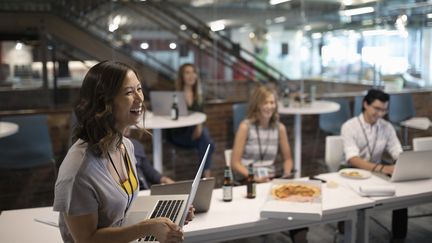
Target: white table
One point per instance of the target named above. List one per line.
(422, 123)
(408, 194)
(157, 123)
(7, 129)
(316, 107)
(224, 221)
(240, 218)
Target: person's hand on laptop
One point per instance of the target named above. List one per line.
(164, 230)
(166, 180)
(387, 169)
(190, 215)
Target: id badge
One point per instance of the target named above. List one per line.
(262, 172)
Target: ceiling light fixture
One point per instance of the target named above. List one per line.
(280, 19)
(144, 46)
(217, 25)
(172, 45)
(274, 2)
(201, 3)
(357, 11)
(18, 46)
(316, 35)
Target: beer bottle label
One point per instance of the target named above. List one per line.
(227, 193)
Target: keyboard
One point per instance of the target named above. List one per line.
(165, 208)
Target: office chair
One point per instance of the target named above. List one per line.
(334, 153)
(332, 122)
(25, 156)
(358, 104)
(401, 108)
(239, 113)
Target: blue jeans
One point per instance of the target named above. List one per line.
(182, 137)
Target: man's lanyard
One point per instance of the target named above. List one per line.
(367, 140)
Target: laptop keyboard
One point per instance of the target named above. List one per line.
(165, 208)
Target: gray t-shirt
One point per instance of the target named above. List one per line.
(85, 186)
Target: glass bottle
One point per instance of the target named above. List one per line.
(250, 183)
(227, 188)
(286, 98)
(174, 108)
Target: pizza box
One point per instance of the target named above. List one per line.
(284, 200)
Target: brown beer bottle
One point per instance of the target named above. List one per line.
(250, 183)
(227, 188)
(174, 108)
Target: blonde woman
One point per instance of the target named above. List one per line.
(259, 138)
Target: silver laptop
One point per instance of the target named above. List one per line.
(174, 207)
(161, 102)
(203, 194)
(413, 165)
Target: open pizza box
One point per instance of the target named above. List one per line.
(293, 200)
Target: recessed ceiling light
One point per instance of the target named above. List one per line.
(280, 19)
(274, 2)
(144, 46)
(356, 11)
(217, 25)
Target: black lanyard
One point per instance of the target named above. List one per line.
(126, 161)
(262, 155)
(367, 140)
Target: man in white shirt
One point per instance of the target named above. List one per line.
(366, 137)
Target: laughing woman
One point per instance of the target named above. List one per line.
(97, 181)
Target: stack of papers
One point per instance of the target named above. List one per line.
(377, 191)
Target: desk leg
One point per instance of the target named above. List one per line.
(363, 226)
(297, 144)
(350, 228)
(157, 150)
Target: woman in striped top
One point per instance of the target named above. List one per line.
(259, 138)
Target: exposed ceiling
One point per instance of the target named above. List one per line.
(318, 15)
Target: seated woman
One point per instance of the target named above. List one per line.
(198, 136)
(97, 181)
(258, 140)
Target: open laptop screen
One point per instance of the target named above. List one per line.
(413, 165)
(194, 187)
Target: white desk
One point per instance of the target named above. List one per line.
(408, 194)
(224, 221)
(157, 123)
(316, 107)
(240, 218)
(7, 129)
